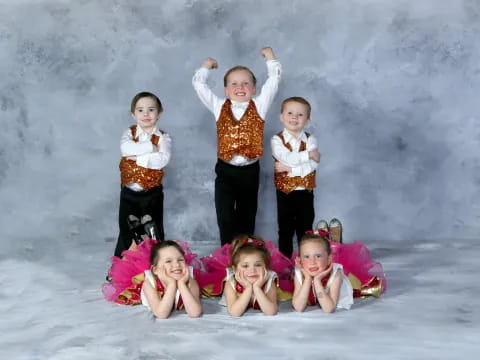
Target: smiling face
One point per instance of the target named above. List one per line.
(294, 117)
(252, 266)
(172, 260)
(240, 86)
(314, 257)
(146, 113)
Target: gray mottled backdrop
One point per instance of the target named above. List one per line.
(393, 85)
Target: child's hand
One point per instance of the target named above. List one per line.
(241, 279)
(318, 277)
(280, 167)
(298, 264)
(210, 63)
(267, 52)
(185, 276)
(134, 158)
(165, 279)
(314, 155)
(261, 280)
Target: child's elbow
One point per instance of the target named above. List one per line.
(329, 309)
(195, 314)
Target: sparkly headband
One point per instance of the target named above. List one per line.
(320, 232)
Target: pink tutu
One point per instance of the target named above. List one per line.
(367, 276)
(127, 273)
(212, 278)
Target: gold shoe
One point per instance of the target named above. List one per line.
(336, 230)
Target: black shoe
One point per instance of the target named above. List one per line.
(150, 227)
(137, 229)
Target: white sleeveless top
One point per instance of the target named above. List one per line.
(151, 279)
(345, 298)
(230, 279)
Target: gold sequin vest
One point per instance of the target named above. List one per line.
(239, 137)
(130, 172)
(286, 183)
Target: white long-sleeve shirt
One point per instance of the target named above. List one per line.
(143, 150)
(262, 101)
(297, 160)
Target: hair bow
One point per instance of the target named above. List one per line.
(320, 232)
(253, 242)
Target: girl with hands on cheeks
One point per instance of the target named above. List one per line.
(318, 280)
(169, 284)
(249, 282)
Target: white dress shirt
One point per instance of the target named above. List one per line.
(262, 101)
(297, 160)
(143, 150)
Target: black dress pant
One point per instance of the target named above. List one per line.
(138, 203)
(295, 214)
(236, 198)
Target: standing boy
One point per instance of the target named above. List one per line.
(296, 158)
(240, 121)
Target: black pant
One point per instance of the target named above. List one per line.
(236, 197)
(295, 214)
(138, 203)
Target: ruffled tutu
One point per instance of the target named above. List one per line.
(365, 274)
(127, 273)
(212, 278)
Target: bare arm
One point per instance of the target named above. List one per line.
(190, 294)
(161, 306)
(328, 300)
(237, 304)
(301, 292)
(266, 301)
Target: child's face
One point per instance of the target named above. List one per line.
(172, 261)
(252, 266)
(314, 257)
(294, 116)
(240, 86)
(146, 113)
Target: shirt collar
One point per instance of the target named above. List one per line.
(289, 137)
(140, 131)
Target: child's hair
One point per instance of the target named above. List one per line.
(155, 252)
(145, 94)
(297, 99)
(237, 68)
(248, 244)
(316, 238)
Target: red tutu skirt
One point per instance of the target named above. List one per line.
(127, 273)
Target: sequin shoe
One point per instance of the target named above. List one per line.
(136, 228)
(336, 231)
(150, 227)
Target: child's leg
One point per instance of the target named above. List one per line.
(153, 206)
(286, 222)
(247, 197)
(128, 206)
(305, 211)
(225, 201)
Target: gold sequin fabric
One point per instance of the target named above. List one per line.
(239, 137)
(130, 172)
(286, 183)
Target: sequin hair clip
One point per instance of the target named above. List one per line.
(253, 242)
(320, 232)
